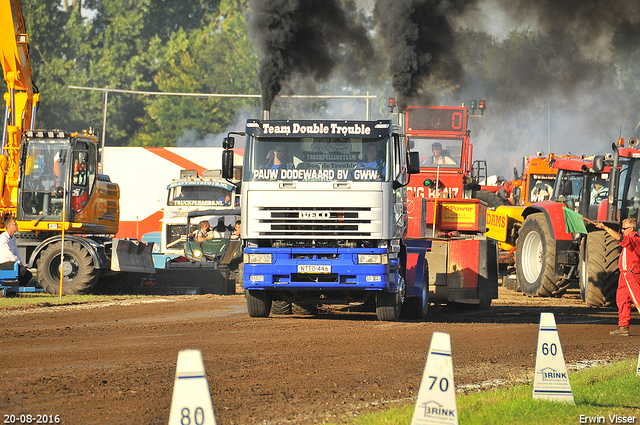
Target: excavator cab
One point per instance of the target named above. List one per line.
(58, 173)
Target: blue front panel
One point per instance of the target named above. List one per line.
(296, 269)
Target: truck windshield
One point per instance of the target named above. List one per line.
(45, 170)
(438, 152)
(317, 159)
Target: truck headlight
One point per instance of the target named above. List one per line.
(373, 259)
(256, 258)
(197, 253)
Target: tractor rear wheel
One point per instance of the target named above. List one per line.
(599, 271)
(79, 274)
(536, 259)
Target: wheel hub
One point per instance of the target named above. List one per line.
(67, 269)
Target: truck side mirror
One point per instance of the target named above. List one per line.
(413, 162)
(227, 164)
(228, 142)
(598, 163)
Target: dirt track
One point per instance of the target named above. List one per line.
(115, 364)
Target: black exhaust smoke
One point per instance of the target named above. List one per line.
(305, 38)
(419, 42)
(309, 38)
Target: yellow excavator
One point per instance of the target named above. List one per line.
(66, 210)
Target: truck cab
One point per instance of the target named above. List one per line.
(324, 207)
(186, 194)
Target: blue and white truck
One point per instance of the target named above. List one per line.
(323, 218)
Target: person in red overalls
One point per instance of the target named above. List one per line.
(629, 264)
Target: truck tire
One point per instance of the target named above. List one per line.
(240, 276)
(388, 305)
(492, 200)
(304, 309)
(258, 303)
(79, 272)
(535, 259)
(415, 308)
(599, 272)
(280, 307)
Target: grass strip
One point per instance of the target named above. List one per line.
(604, 394)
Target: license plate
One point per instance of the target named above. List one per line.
(314, 268)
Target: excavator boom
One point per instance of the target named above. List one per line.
(21, 98)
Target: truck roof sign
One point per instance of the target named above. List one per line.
(442, 120)
(324, 128)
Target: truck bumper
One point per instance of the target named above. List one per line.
(308, 269)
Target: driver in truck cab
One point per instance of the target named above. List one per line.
(371, 160)
(277, 158)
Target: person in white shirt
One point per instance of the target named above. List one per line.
(236, 230)
(9, 251)
(205, 232)
(438, 155)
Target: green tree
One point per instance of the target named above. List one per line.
(216, 58)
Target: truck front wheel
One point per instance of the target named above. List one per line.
(79, 274)
(388, 305)
(258, 303)
(535, 258)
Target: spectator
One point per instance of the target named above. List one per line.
(226, 199)
(9, 251)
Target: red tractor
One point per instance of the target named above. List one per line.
(548, 258)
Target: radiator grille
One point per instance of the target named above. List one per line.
(317, 222)
(176, 236)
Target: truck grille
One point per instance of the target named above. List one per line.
(316, 222)
(176, 236)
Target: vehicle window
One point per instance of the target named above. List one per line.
(317, 159)
(438, 152)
